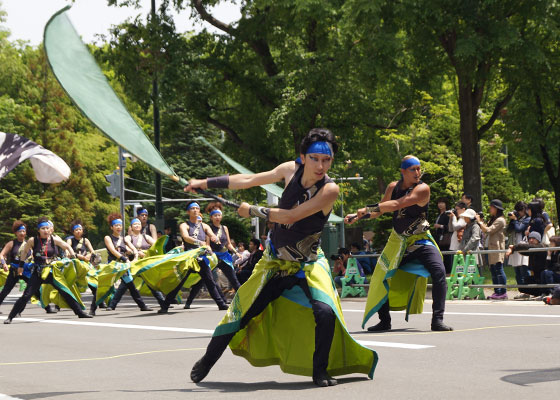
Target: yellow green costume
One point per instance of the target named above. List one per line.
(403, 285)
(284, 333)
(69, 276)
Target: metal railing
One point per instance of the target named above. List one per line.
(468, 252)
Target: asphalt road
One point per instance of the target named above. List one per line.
(498, 350)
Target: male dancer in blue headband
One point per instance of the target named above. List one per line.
(261, 324)
(410, 240)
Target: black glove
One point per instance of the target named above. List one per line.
(21, 264)
(123, 259)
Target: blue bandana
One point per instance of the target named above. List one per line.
(21, 228)
(195, 204)
(320, 148)
(215, 212)
(76, 227)
(116, 221)
(42, 224)
(142, 211)
(134, 221)
(406, 164)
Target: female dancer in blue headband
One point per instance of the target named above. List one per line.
(287, 311)
(117, 250)
(84, 251)
(10, 252)
(196, 233)
(220, 248)
(410, 241)
(44, 246)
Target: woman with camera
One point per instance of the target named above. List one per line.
(494, 230)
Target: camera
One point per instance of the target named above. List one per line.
(480, 214)
(335, 257)
(511, 213)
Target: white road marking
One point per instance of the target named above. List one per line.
(397, 345)
(474, 314)
(195, 330)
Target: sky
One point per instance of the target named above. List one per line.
(26, 19)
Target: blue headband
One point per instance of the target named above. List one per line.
(135, 220)
(320, 148)
(76, 227)
(21, 228)
(42, 225)
(406, 164)
(142, 211)
(116, 221)
(195, 204)
(215, 212)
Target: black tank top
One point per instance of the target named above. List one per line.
(221, 234)
(409, 220)
(120, 247)
(44, 250)
(146, 229)
(82, 249)
(196, 231)
(13, 257)
(300, 240)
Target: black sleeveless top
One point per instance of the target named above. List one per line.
(146, 229)
(409, 220)
(13, 257)
(120, 247)
(300, 240)
(44, 250)
(196, 231)
(221, 234)
(83, 249)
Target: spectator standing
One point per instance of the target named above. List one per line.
(471, 235)
(537, 222)
(537, 260)
(467, 199)
(456, 224)
(247, 268)
(518, 224)
(442, 233)
(494, 229)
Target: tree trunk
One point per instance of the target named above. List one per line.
(470, 150)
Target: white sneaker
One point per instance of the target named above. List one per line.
(522, 296)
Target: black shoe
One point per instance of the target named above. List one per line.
(8, 321)
(163, 310)
(103, 305)
(187, 306)
(323, 380)
(92, 312)
(439, 326)
(223, 306)
(145, 308)
(382, 326)
(199, 371)
(85, 315)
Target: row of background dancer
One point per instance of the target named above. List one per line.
(10, 252)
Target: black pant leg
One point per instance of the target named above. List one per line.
(34, 284)
(118, 295)
(10, 283)
(194, 291)
(171, 295)
(208, 279)
(271, 291)
(324, 329)
(230, 274)
(135, 294)
(430, 257)
(158, 296)
(93, 306)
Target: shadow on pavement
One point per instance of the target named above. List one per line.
(533, 376)
(46, 395)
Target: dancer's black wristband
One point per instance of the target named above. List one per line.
(123, 258)
(218, 182)
(257, 211)
(373, 208)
